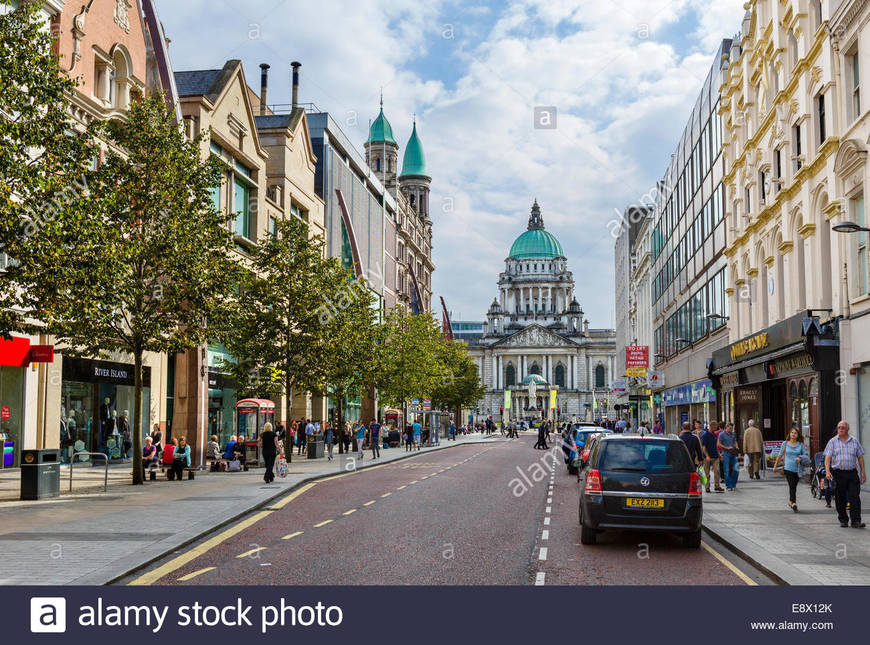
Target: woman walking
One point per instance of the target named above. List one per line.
(360, 431)
(329, 438)
(790, 453)
(269, 450)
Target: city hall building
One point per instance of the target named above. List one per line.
(535, 338)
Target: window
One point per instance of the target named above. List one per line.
(796, 140)
(816, 13)
(717, 300)
(599, 376)
(559, 375)
(510, 375)
(762, 181)
(861, 243)
(820, 115)
(273, 227)
(242, 208)
(777, 169)
(748, 202)
(699, 314)
(854, 85)
(535, 369)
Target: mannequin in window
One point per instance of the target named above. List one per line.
(107, 423)
(124, 430)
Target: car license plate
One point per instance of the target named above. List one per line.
(645, 502)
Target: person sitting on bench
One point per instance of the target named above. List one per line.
(181, 458)
(213, 453)
(169, 453)
(149, 455)
(239, 451)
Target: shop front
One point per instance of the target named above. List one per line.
(96, 407)
(783, 377)
(14, 357)
(222, 394)
(688, 402)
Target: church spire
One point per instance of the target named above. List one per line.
(535, 219)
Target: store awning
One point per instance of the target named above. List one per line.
(785, 351)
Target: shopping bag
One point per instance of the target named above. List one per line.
(282, 466)
(746, 461)
(234, 466)
(702, 475)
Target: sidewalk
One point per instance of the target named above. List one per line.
(804, 548)
(96, 538)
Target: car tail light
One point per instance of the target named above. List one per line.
(593, 482)
(695, 484)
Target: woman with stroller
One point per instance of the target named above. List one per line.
(790, 453)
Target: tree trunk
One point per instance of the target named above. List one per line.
(138, 474)
(288, 407)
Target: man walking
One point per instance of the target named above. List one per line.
(711, 455)
(692, 443)
(843, 456)
(728, 448)
(753, 445)
(375, 434)
(360, 439)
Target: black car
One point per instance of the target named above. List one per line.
(640, 483)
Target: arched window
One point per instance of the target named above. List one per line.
(378, 164)
(599, 376)
(559, 375)
(510, 375)
(535, 369)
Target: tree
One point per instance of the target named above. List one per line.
(276, 331)
(140, 262)
(409, 364)
(460, 387)
(41, 163)
(348, 361)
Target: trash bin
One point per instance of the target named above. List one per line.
(40, 474)
(315, 448)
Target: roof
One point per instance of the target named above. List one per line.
(205, 82)
(275, 121)
(414, 161)
(381, 130)
(536, 243)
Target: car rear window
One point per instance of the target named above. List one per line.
(645, 455)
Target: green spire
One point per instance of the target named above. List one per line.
(381, 130)
(414, 161)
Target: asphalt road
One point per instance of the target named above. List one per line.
(463, 516)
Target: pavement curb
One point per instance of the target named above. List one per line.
(266, 502)
(775, 568)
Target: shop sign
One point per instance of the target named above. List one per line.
(5, 413)
(636, 356)
(42, 353)
(92, 371)
(729, 380)
(635, 372)
(699, 392)
(795, 363)
(655, 379)
(619, 387)
(747, 395)
(772, 448)
(427, 404)
(749, 345)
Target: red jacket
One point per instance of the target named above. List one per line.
(168, 451)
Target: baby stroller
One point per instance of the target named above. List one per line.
(820, 487)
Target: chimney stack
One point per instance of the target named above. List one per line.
(264, 86)
(295, 65)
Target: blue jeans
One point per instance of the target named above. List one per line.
(729, 466)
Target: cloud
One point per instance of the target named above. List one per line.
(622, 82)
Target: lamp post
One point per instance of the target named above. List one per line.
(850, 227)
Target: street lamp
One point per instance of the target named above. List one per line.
(717, 317)
(684, 341)
(850, 227)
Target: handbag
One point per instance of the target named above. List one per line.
(746, 460)
(234, 466)
(702, 475)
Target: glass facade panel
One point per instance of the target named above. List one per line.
(12, 404)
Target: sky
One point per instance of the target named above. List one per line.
(622, 75)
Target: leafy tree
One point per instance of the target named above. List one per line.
(140, 261)
(277, 331)
(348, 360)
(410, 365)
(41, 163)
(460, 387)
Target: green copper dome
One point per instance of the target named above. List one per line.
(536, 242)
(414, 161)
(537, 378)
(381, 129)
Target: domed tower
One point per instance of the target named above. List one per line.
(414, 181)
(494, 319)
(382, 151)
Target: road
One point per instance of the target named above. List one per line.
(471, 515)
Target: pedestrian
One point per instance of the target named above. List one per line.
(300, 436)
(346, 436)
(329, 440)
(790, 453)
(310, 431)
(621, 425)
(269, 450)
(375, 433)
(693, 444)
(657, 428)
(709, 443)
(753, 445)
(293, 433)
(729, 449)
(452, 431)
(157, 438)
(417, 431)
(180, 458)
(843, 456)
(360, 440)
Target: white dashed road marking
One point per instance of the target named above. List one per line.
(539, 578)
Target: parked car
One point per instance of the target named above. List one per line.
(568, 433)
(576, 442)
(637, 483)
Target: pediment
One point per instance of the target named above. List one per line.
(534, 336)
